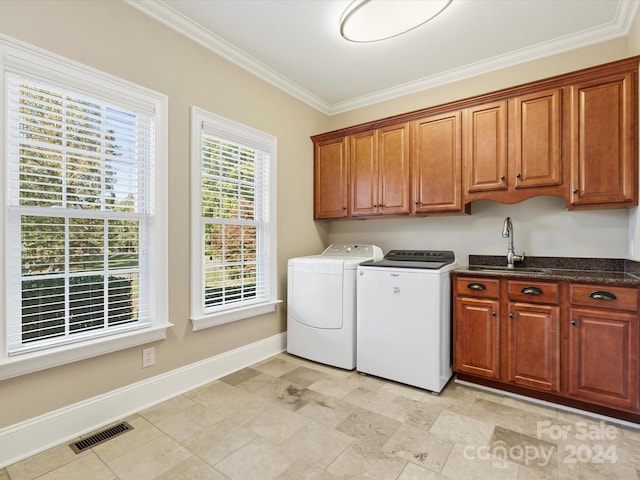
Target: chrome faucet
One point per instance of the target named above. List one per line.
(507, 232)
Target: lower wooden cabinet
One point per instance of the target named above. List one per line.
(603, 357)
(477, 339)
(533, 346)
(565, 340)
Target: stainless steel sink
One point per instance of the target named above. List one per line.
(504, 268)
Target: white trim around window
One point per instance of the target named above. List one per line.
(233, 221)
(31, 191)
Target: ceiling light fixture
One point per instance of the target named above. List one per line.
(373, 20)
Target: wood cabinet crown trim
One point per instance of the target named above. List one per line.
(558, 81)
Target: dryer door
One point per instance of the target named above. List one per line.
(316, 294)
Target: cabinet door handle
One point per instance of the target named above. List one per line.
(532, 291)
(476, 286)
(518, 175)
(575, 190)
(502, 177)
(511, 315)
(574, 323)
(601, 295)
(493, 314)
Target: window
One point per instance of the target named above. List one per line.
(233, 224)
(84, 224)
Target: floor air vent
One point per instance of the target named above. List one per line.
(100, 437)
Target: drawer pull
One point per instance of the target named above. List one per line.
(476, 286)
(532, 291)
(601, 295)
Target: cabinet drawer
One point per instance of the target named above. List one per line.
(605, 296)
(534, 292)
(477, 287)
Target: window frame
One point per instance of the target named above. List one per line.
(232, 131)
(18, 57)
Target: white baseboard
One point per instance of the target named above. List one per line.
(35, 435)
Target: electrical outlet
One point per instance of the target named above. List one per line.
(148, 357)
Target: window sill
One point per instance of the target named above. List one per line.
(214, 319)
(43, 359)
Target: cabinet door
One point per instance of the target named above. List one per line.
(330, 179)
(437, 164)
(393, 165)
(476, 337)
(603, 357)
(485, 153)
(533, 339)
(536, 126)
(603, 139)
(363, 153)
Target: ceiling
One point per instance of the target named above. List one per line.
(296, 45)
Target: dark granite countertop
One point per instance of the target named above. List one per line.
(613, 271)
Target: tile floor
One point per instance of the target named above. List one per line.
(290, 419)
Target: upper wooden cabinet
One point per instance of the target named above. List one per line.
(535, 124)
(513, 148)
(603, 138)
(485, 152)
(330, 178)
(436, 163)
(573, 136)
(379, 162)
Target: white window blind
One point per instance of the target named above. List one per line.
(233, 218)
(80, 210)
(235, 180)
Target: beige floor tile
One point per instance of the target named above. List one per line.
(240, 376)
(218, 441)
(277, 424)
(413, 412)
(367, 382)
(167, 408)
(193, 468)
(376, 401)
(333, 387)
(326, 410)
(588, 468)
(417, 446)
(468, 462)
(228, 401)
(530, 407)
(83, 468)
(368, 427)
(276, 366)
(188, 422)
(499, 414)
(267, 387)
(42, 463)
(257, 460)
(525, 450)
(149, 460)
(303, 471)
(363, 462)
(407, 391)
(461, 429)
(415, 472)
(4, 475)
(143, 432)
(317, 445)
(304, 376)
(454, 397)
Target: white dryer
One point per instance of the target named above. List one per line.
(321, 303)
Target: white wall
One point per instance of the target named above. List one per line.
(542, 226)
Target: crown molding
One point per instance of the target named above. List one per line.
(170, 17)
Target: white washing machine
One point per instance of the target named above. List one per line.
(404, 317)
(321, 303)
